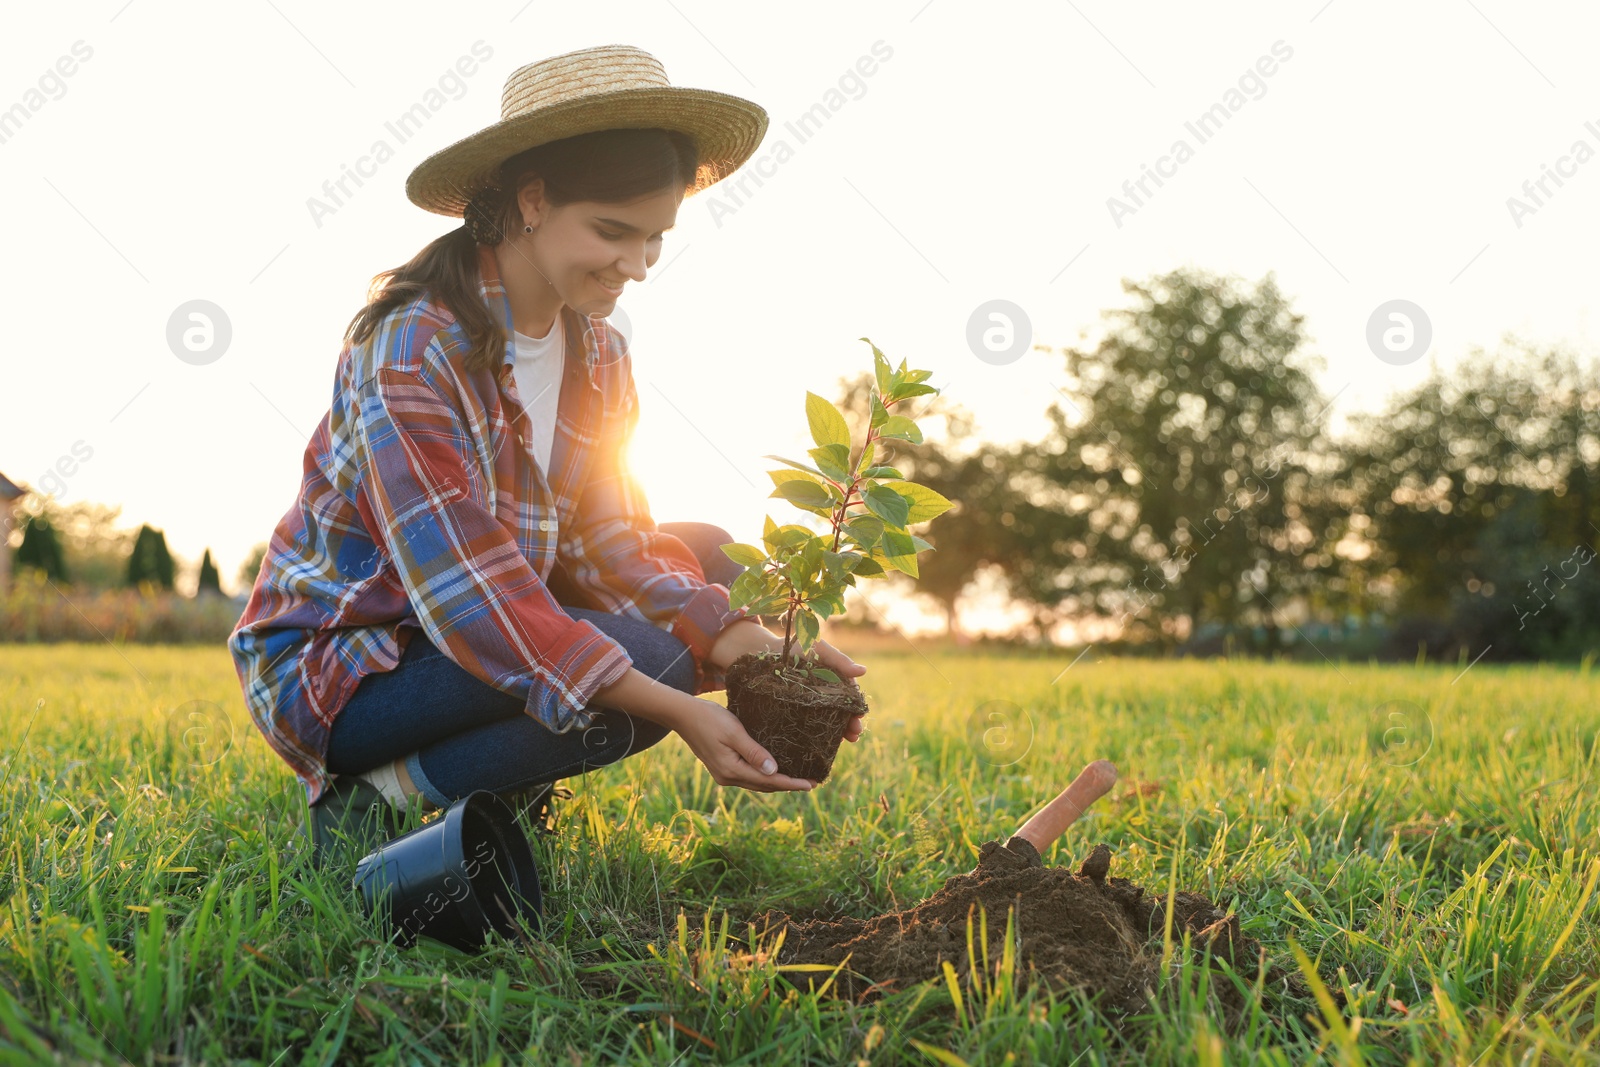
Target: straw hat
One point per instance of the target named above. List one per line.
(605, 88)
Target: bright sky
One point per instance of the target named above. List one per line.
(158, 153)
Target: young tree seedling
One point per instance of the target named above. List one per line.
(868, 510)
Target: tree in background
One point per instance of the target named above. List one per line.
(94, 546)
(40, 548)
(150, 560)
(1481, 487)
(976, 532)
(209, 581)
(1173, 490)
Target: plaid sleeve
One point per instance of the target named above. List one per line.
(477, 596)
(618, 556)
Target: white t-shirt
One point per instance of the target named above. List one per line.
(538, 366)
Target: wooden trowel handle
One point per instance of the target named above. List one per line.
(1042, 830)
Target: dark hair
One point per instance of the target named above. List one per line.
(608, 166)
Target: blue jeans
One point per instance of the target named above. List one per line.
(458, 733)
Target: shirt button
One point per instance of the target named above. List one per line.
(546, 525)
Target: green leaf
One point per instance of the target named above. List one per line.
(880, 369)
(869, 568)
(824, 674)
(925, 503)
(887, 504)
(841, 562)
(790, 536)
(880, 414)
(804, 494)
(864, 530)
(779, 477)
(827, 424)
(866, 455)
(744, 555)
(829, 602)
(901, 427)
(796, 466)
(881, 472)
(900, 551)
(748, 586)
(910, 389)
(755, 584)
(920, 545)
(809, 628)
(834, 460)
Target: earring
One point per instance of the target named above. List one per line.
(527, 228)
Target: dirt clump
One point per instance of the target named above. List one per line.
(801, 722)
(1082, 929)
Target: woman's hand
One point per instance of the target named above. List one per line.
(718, 739)
(713, 733)
(749, 635)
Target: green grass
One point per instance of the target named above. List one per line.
(1440, 872)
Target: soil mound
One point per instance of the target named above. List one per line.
(1082, 929)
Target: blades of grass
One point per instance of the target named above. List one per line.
(954, 986)
(1005, 970)
(938, 1055)
(1349, 1051)
(1172, 896)
(1572, 923)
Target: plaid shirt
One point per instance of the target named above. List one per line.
(422, 508)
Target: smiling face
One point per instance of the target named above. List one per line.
(587, 251)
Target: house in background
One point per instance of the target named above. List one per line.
(10, 493)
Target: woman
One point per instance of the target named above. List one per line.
(469, 592)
